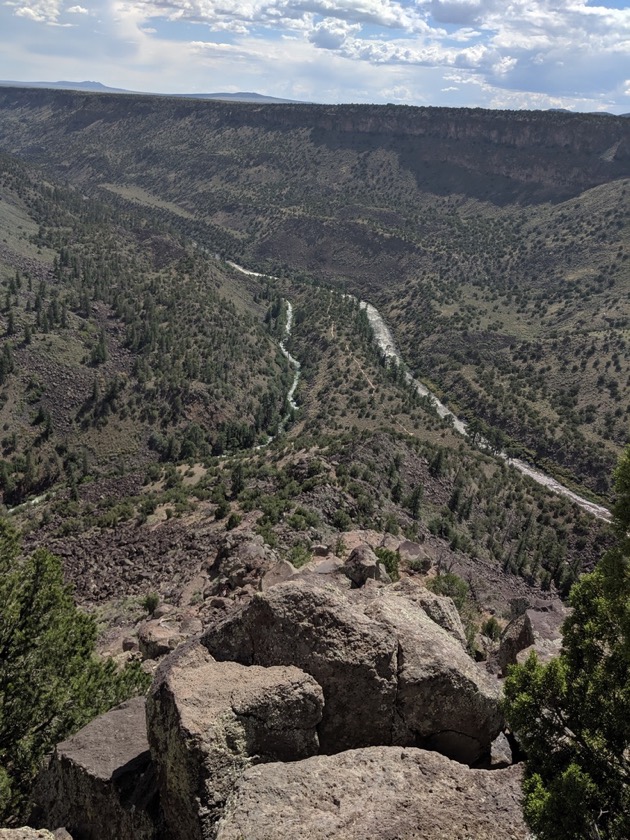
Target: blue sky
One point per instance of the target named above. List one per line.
(488, 53)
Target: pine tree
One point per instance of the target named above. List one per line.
(572, 716)
(51, 683)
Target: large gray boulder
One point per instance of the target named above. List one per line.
(363, 565)
(445, 701)
(100, 783)
(240, 563)
(390, 674)
(160, 635)
(314, 627)
(381, 793)
(538, 629)
(278, 573)
(439, 608)
(208, 721)
(517, 636)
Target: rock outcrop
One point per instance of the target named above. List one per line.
(500, 752)
(415, 556)
(444, 700)
(389, 673)
(99, 783)
(538, 629)
(278, 573)
(208, 721)
(439, 608)
(384, 793)
(363, 565)
(162, 634)
(240, 563)
(314, 627)
(309, 666)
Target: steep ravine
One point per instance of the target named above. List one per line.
(387, 345)
(287, 334)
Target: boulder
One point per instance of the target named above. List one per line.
(100, 783)
(313, 626)
(500, 752)
(538, 629)
(208, 721)
(362, 565)
(439, 608)
(415, 556)
(281, 571)
(241, 561)
(389, 673)
(445, 701)
(162, 610)
(158, 636)
(517, 636)
(28, 834)
(381, 793)
(546, 621)
(329, 565)
(382, 574)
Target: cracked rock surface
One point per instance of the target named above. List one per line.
(99, 783)
(314, 627)
(208, 721)
(381, 793)
(389, 673)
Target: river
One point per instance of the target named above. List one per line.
(292, 360)
(387, 345)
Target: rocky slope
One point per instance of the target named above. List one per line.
(504, 155)
(336, 747)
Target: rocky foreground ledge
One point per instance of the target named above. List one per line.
(321, 708)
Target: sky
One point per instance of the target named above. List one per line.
(474, 53)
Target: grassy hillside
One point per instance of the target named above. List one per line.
(494, 242)
(523, 322)
(119, 344)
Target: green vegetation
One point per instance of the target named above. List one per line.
(450, 584)
(510, 295)
(51, 683)
(390, 560)
(491, 628)
(168, 358)
(150, 602)
(572, 716)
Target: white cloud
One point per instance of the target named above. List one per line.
(331, 34)
(559, 53)
(39, 11)
(463, 12)
(385, 13)
(504, 65)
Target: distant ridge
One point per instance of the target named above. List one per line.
(240, 97)
(97, 87)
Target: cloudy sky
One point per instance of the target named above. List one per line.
(491, 53)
